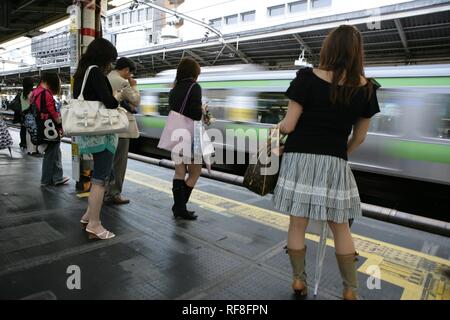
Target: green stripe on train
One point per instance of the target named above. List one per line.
(419, 151)
(241, 130)
(415, 82)
(153, 122)
(385, 82)
(227, 84)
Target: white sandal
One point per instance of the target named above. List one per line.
(93, 235)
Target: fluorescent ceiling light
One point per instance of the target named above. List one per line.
(55, 26)
(14, 42)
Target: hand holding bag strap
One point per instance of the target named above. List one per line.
(86, 75)
(186, 98)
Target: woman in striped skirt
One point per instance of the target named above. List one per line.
(315, 181)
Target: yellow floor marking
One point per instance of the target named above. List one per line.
(406, 268)
(83, 195)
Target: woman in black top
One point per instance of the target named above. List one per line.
(186, 87)
(101, 54)
(315, 181)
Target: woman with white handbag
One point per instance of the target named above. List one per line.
(101, 54)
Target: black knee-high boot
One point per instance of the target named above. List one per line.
(179, 197)
(188, 191)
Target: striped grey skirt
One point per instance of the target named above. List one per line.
(318, 187)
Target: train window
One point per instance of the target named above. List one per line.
(438, 122)
(388, 120)
(217, 101)
(163, 105)
(272, 107)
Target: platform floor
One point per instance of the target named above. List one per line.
(233, 251)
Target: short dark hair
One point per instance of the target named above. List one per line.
(123, 63)
(53, 82)
(187, 69)
(27, 84)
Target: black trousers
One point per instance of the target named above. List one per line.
(23, 136)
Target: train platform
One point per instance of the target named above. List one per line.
(234, 251)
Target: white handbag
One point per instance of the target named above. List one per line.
(87, 118)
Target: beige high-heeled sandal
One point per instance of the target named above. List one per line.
(104, 235)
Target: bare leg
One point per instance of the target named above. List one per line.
(85, 217)
(194, 170)
(343, 240)
(95, 206)
(180, 171)
(296, 233)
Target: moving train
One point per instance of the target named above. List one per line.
(410, 138)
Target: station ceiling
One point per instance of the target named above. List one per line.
(26, 17)
(415, 32)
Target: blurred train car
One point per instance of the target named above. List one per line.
(410, 137)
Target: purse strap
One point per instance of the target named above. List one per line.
(86, 75)
(186, 98)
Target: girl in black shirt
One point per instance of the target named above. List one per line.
(186, 87)
(315, 181)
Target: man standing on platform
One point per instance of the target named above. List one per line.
(127, 93)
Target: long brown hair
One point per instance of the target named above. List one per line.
(187, 69)
(99, 52)
(343, 54)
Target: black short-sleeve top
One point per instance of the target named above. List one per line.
(177, 95)
(324, 128)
